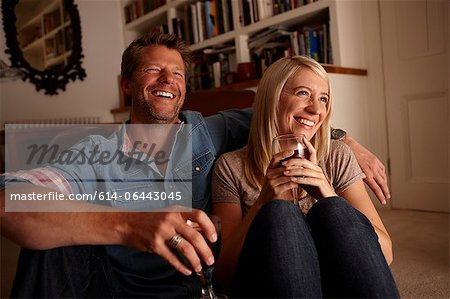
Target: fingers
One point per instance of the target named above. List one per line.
(194, 249)
(279, 157)
(184, 254)
(376, 179)
(312, 151)
(375, 189)
(204, 222)
(306, 173)
(276, 180)
(378, 184)
(175, 261)
(381, 180)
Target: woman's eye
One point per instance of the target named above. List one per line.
(303, 93)
(324, 99)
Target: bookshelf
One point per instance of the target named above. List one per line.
(44, 33)
(294, 17)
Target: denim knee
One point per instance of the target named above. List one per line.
(351, 260)
(278, 213)
(337, 213)
(278, 258)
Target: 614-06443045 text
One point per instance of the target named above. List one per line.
(102, 196)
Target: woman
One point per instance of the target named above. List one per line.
(334, 244)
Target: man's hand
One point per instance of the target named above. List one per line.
(372, 167)
(152, 232)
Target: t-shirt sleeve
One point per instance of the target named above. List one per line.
(343, 167)
(224, 183)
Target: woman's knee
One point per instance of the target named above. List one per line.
(337, 213)
(280, 214)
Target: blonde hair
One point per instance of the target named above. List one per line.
(264, 126)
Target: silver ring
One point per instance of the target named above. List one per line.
(175, 241)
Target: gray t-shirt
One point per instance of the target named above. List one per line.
(230, 186)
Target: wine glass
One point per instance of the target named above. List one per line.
(291, 142)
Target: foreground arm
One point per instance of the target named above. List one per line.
(358, 198)
(372, 167)
(149, 232)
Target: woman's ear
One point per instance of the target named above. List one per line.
(125, 85)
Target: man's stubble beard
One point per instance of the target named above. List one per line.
(150, 115)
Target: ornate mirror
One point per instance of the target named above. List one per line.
(43, 39)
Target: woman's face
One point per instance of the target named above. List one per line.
(303, 103)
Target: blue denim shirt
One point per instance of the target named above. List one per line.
(142, 273)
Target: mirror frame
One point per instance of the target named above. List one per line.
(48, 80)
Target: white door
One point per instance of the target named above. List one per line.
(415, 38)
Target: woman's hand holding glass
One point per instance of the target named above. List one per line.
(308, 174)
(276, 184)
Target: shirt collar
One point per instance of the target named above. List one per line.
(126, 146)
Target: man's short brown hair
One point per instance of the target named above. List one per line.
(131, 57)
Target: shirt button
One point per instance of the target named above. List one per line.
(197, 168)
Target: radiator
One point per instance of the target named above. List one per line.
(24, 123)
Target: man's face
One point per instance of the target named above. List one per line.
(158, 86)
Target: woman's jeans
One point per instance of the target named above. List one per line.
(332, 252)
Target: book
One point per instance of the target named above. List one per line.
(209, 20)
(246, 12)
(217, 74)
(226, 10)
(194, 22)
(219, 17)
(178, 27)
(265, 37)
(214, 17)
(314, 44)
(201, 20)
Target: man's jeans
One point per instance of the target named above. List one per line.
(332, 252)
(87, 272)
(66, 272)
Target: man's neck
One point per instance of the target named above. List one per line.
(155, 140)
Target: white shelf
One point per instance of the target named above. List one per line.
(289, 18)
(238, 37)
(33, 45)
(217, 40)
(43, 8)
(57, 59)
(153, 18)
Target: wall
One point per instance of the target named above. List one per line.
(102, 42)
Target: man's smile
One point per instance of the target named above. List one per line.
(163, 94)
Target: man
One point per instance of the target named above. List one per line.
(66, 256)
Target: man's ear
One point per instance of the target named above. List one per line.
(125, 85)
